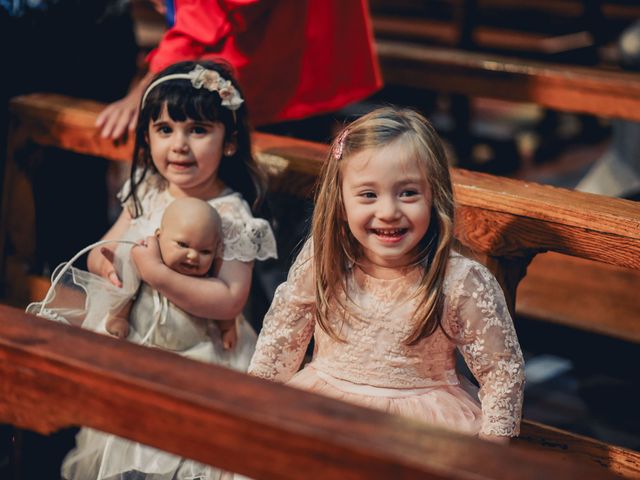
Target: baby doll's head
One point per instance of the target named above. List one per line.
(403, 214)
(204, 91)
(189, 236)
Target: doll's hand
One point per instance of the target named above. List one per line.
(118, 326)
(108, 270)
(229, 338)
(147, 259)
(226, 331)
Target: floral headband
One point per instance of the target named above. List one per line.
(211, 80)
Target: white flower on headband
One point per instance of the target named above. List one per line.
(211, 80)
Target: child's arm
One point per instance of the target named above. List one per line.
(491, 350)
(100, 259)
(221, 298)
(288, 325)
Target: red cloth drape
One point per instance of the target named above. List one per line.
(293, 58)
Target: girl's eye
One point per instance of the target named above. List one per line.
(368, 195)
(182, 245)
(205, 252)
(408, 193)
(198, 130)
(164, 129)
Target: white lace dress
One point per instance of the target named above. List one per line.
(155, 321)
(375, 369)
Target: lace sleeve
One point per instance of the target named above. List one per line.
(491, 350)
(246, 238)
(288, 325)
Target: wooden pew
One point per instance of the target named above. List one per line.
(56, 376)
(547, 28)
(557, 86)
(505, 221)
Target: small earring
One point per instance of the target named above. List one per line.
(229, 150)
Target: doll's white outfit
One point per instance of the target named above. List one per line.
(155, 321)
(375, 368)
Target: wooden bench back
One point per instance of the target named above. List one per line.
(557, 86)
(55, 376)
(507, 221)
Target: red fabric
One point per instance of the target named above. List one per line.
(294, 58)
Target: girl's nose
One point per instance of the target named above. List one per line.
(388, 209)
(192, 254)
(180, 143)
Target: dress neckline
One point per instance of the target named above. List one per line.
(411, 275)
(226, 191)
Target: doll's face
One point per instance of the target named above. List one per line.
(387, 202)
(189, 237)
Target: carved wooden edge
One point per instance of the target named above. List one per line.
(563, 444)
(55, 376)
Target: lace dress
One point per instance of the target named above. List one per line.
(375, 369)
(157, 322)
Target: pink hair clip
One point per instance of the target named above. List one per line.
(339, 148)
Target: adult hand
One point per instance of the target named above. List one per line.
(121, 117)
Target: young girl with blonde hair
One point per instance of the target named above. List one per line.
(386, 298)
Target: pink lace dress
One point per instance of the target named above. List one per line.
(374, 368)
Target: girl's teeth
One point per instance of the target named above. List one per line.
(390, 232)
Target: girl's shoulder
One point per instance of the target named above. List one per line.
(245, 237)
(462, 272)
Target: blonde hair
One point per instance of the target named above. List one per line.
(337, 250)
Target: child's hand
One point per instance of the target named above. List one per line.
(108, 271)
(147, 259)
(495, 438)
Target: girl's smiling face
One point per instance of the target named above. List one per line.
(387, 202)
(187, 154)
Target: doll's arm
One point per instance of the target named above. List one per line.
(100, 259)
(221, 298)
(288, 325)
(491, 350)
